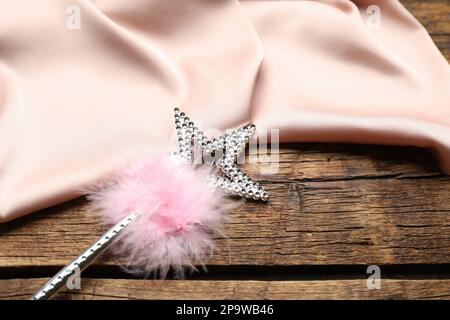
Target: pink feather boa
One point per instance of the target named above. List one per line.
(179, 215)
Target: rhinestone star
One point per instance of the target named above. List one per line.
(230, 145)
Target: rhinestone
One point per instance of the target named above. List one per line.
(229, 145)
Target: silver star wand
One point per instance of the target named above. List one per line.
(232, 179)
(229, 178)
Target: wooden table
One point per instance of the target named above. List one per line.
(334, 210)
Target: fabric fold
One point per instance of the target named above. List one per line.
(78, 102)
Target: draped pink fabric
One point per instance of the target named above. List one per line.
(77, 103)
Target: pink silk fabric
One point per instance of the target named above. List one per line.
(78, 103)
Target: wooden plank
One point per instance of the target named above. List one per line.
(320, 162)
(434, 15)
(212, 290)
(349, 209)
(443, 43)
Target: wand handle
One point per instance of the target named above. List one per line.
(83, 260)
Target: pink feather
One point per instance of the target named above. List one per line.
(179, 215)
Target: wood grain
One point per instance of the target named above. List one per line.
(330, 204)
(443, 43)
(433, 15)
(215, 290)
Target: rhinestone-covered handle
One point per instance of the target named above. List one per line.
(84, 260)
